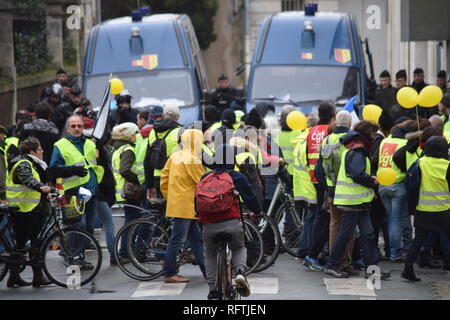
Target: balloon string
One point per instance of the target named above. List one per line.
(417, 115)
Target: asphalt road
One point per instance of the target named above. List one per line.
(286, 280)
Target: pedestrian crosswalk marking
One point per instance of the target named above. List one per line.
(160, 288)
(263, 285)
(350, 286)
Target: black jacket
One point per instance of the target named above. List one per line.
(122, 115)
(107, 188)
(224, 98)
(45, 131)
(159, 126)
(23, 175)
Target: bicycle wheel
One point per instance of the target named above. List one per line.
(71, 257)
(271, 240)
(254, 243)
(221, 273)
(146, 246)
(4, 248)
(287, 219)
(136, 269)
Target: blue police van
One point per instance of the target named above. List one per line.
(156, 56)
(304, 57)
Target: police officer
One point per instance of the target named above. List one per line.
(74, 162)
(124, 112)
(432, 212)
(225, 96)
(25, 187)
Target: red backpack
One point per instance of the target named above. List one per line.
(214, 194)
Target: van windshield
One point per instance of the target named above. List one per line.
(304, 83)
(147, 87)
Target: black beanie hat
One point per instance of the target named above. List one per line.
(446, 100)
(385, 121)
(437, 147)
(228, 118)
(254, 119)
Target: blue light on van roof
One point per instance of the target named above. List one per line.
(136, 16)
(145, 11)
(311, 9)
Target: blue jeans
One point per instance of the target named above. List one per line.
(307, 232)
(183, 229)
(394, 199)
(130, 215)
(349, 221)
(104, 214)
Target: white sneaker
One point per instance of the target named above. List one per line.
(242, 286)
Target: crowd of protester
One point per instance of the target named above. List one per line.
(146, 155)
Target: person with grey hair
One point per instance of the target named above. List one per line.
(313, 119)
(329, 163)
(165, 131)
(344, 119)
(437, 122)
(74, 159)
(172, 112)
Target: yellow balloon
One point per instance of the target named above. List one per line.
(386, 176)
(407, 97)
(296, 120)
(372, 113)
(430, 96)
(116, 86)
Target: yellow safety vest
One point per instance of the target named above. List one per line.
(303, 187)
(412, 157)
(284, 141)
(434, 195)
(140, 150)
(20, 195)
(446, 123)
(115, 162)
(388, 147)
(349, 193)
(171, 143)
(73, 157)
(241, 157)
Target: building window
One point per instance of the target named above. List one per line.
(292, 5)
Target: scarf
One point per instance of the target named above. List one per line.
(38, 161)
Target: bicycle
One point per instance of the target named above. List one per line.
(271, 237)
(61, 249)
(147, 241)
(287, 217)
(224, 278)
